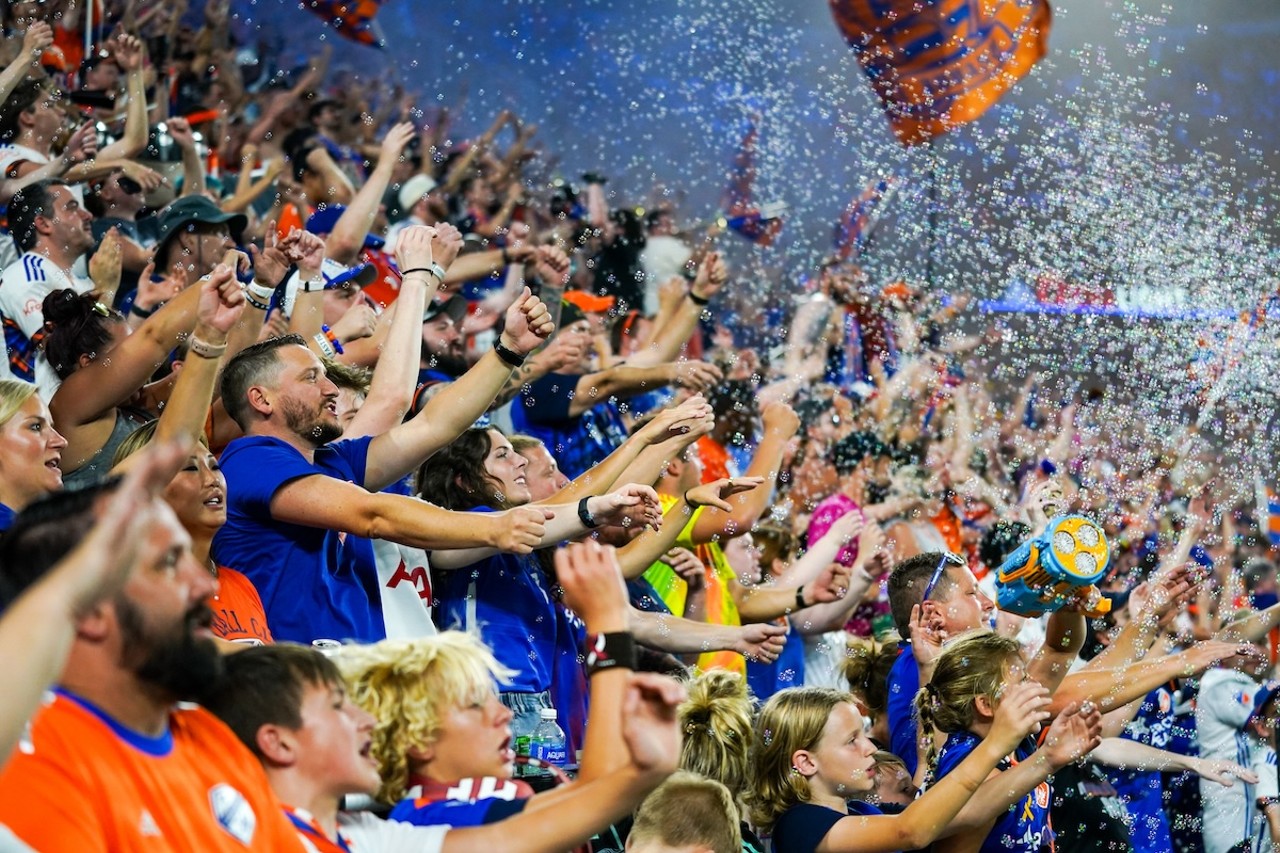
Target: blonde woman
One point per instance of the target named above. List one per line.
(811, 755)
(30, 449)
(716, 723)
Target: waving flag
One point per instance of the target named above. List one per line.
(859, 220)
(937, 64)
(1268, 503)
(351, 18)
(758, 223)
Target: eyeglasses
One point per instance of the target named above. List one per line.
(947, 559)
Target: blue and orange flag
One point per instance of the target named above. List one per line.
(351, 18)
(758, 223)
(860, 218)
(937, 64)
(1268, 503)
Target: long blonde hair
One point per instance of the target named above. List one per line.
(974, 665)
(13, 395)
(716, 722)
(409, 686)
(793, 719)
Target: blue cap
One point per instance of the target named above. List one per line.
(1262, 697)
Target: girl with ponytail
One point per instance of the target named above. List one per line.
(715, 722)
(973, 681)
(811, 756)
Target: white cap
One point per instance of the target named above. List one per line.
(547, 713)
(412, 191)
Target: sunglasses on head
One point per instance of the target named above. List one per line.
(947, 559)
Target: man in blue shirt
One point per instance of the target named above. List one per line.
(292, 495)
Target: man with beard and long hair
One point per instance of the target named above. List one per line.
(113, 761)
(293, 491)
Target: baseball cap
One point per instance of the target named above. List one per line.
(412, 190)
(589, 303)
(1264, 694)
(325, 219)
(455, 306)
(181, 212)
(361, 275)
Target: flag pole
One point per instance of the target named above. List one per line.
(932, 213)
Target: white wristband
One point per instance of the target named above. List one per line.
(261, 292)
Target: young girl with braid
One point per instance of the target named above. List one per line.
(973, 681)
(811, 755)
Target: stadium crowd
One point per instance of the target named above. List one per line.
(334, 451)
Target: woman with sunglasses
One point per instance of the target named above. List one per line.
(104, 367)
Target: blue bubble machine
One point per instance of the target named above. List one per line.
(1060, 565)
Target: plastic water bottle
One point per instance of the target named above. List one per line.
(548, 743)
(521, 739)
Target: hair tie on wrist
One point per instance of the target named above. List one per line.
(585, 516)
(511, 357)
(204, 349)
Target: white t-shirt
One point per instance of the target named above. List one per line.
(1223, 705)
(404, 581)
(23, 286)
(1263, 766)
(367, 833)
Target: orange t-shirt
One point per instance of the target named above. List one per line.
(715, 459)
(237, 610)
(80, 781)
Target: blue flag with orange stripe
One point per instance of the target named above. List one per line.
(351, 18)
(860, 218)
(1268, 503)
(937, 64)
(758, 223)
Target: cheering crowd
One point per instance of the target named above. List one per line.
(335, 450)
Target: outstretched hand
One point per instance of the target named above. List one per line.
(1075, 733)
(717, 492)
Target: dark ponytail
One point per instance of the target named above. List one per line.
(75, 324)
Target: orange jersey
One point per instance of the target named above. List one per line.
(237, 610)
(80, 781)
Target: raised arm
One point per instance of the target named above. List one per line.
(671, 336)
(104, 383)
(347, 238)
(780, 426)
(935, 811)
(1110, 689)
(1071, 736)
(642, 552)
(632, 504)
(398, 451)
(192, 166)
(183, 418)
(130, 55)
(624, 381)
(396, 374)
